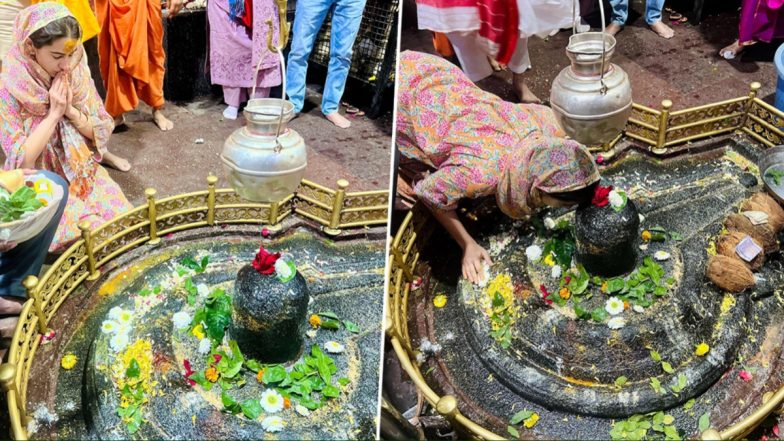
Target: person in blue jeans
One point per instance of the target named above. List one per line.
(653, 16)
(308, 18)
(19, 260)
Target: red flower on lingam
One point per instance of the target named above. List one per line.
(601, 196)
(264, 262)
(545, 295)
(217, 358)
(188, 372)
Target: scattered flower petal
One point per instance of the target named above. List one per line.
(273, 424)
(302, 410)
(533, 252)
(204, 346)
(549, 223)
(119, 342)
(265, 232)
(198, 331)
(701, 349)
(616, 323)
(311, 333)
(439, 301)
(638, 308)
(271, 401)
(549, 260)
(555, 272)
(181, 320)
(661, 256)
(68, 361)
(745, 375)
(531, 421)
(614, 306)
(202, 290)
(334, 347)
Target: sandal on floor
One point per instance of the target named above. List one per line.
(351, 110)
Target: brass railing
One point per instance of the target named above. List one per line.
(660, 130)
(333, 209)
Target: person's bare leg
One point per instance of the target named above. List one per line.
(11, 305)
(338, 119)
(119, 120)
(613, 28)
(161, 121)
(662, 30)
(522, 91)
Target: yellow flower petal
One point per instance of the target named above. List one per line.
(702, 349)
(198, 331)
(68, 361)
(439, 301)
(531, 421)
(549, 261)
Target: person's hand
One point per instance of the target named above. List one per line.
(174, 7)
(474, 256)
(58, 97)
(6, 246)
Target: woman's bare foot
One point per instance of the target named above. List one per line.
(732, 51)
(613, 28)
(161, 121)
(494, 64)
(522, 91)
(662, 30)
(116, 162)
(338, 119)
(119, 123)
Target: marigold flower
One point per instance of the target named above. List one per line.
(286, 402)
(260, 375)
(625, 305)
(646, 235)
(211, 374)
(604, 286)
(314, 321)
(701, 349)
(564, 293)
(68, 361)
(531, 421)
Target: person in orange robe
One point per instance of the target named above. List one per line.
(130, 48)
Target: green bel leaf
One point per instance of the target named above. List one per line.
(620, 381)
(351, 326)
(655, 356)
(667, 367)
(512, 431)
(133, 370)
(251, 408)
(520, 416)
(704, 422)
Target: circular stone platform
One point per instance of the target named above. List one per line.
(344, 278)
(579, 375)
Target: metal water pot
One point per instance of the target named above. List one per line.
(592, 98)
(265, 160)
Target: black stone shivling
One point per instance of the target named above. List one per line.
(269, 316)
(606, 239)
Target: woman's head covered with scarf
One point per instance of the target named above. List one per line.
(548, 166)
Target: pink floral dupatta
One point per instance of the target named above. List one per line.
(68, 152)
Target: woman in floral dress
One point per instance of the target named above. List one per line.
(478, 145)
(53, 118)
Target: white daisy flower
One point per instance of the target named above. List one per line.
(114, 313)
(109, 327)
(616, 323)
(271, 401)
(123, 328)
(661, 255)
(202, 290)
(555, 272)
(533, 252)
(273, 424)
(125, 316)
(302, 410)
(283, 270)
(205, 345)
(119, 342)
(549, 223)
(181, 320)
(334, 347)
(311, 333)
(638, 308)
(614, 306)
(615, 198)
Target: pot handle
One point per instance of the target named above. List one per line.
(603, 89)
(279, 51)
